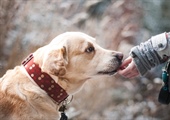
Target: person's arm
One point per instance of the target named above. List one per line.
(151, 53)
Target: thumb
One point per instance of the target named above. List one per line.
(126, 62)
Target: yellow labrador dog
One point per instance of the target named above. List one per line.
(34, 90)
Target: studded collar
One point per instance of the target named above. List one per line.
(44, 81)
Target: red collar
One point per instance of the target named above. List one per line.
(43, 80)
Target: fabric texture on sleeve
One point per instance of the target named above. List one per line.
(151, 53)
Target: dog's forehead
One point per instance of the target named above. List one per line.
(81, 39)
(72, 37)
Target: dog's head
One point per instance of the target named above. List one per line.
(76, 57)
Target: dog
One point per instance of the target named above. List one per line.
(35, 89)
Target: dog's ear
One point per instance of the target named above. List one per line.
(55, 62)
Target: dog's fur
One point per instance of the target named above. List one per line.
(70, 59)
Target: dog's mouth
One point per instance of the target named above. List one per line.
(110, 71)
(114, 67)
(107, 72)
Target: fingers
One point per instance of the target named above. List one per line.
(130, 69)
(126, 63)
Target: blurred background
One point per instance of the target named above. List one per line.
(26, 25)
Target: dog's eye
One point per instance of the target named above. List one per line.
(90, 49)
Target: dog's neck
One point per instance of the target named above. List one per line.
(69, 82)
(44, 81)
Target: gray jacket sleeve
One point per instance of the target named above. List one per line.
(151, 53)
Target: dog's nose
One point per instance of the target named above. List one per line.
(119, 56)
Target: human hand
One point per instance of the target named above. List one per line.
(128, 68)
